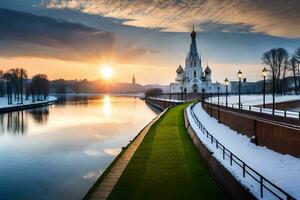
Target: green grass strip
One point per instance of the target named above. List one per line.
(166, 165)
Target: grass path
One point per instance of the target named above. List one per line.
(166, 165)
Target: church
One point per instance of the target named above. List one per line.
(192, 78)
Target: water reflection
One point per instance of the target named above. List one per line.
(107, 106)
(40, 115)
(61, 150)
(14, 123)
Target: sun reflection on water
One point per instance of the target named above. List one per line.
(107, 105)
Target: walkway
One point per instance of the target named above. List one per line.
(165, 166)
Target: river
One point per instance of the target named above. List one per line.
(58, 152)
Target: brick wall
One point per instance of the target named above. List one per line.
(278, 137)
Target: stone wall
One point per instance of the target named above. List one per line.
(285, 105)
(160, 104)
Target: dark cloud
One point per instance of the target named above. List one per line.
(217, 27)
(23, 34)
(273, 17)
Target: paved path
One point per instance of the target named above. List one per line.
(103, 190)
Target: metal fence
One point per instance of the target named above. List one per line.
(179, 96)
(245, 169)
(281, 113)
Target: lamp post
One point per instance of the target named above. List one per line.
(239, 75)
(170, 92)
(273, 91)
(226, 82)
(264, 74)
(211, 102)
(203, 94)
(218, 87)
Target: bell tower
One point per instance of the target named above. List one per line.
(193, 66)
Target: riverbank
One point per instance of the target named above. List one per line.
(27, 104)
(166, 165)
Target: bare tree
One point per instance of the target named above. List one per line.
(282, 61)
(2, 90)
(277, 60)
(21, 76)
(293, 67)
(297, 56)
(8, 76)
(39, 87)
(269, 58)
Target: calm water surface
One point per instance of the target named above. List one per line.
(58, 152)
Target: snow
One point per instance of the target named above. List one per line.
(256, 99)
(252, 100)
(281, 170)
(3, 102)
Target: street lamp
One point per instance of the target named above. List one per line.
(170, 92)
(264, 74)
(218, 87)
(203, 94)
(226, 82)
(239, 75)
(211, 102)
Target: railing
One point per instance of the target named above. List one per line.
(281, 113)
(261, 180)
(191, 96)
(178, 96)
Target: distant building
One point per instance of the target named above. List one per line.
(246, 87)
(133, 80)
(192, 79)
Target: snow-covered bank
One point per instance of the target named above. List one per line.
(139, 95)
(255, 99)
(252, 100)
(4, 104)
(281, 170)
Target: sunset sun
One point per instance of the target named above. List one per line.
(106, 72)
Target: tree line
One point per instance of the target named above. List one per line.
(15, 85)
(281, 64)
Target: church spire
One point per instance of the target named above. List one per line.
(193, 47)
(193, 34)
(133, 79)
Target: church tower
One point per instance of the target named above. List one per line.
(133, 80)
(193, 68)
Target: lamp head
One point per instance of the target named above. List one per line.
(264, 72)
(226, 82)
(239, 74)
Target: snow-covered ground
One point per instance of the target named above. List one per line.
(281, 170)
(140, 95)
(255, 99)
(252, 100)
(4, 104)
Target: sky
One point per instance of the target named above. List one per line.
(74, 39)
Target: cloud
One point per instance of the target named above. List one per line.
(92, 175)
(112, 151)
(276, 18)
(92, 152)
(26, 35)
